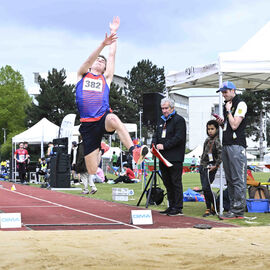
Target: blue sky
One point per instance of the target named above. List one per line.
(38, 36)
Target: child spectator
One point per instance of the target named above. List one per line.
(42, 169)
(210, 161)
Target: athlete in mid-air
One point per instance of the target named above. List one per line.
(92, 97)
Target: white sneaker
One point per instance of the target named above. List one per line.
(93, 191)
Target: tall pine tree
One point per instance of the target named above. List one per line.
(143, 78)
(56, 99)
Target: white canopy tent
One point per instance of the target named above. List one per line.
(248, 68)
(250, 157)
(42, 132)
(197, 152)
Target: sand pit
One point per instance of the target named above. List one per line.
(217, 248)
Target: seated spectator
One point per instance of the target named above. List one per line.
(3, 166)
(99, 176)
(127, 176)
(42, 169)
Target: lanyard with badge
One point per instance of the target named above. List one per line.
(163, 134)
(210, 155)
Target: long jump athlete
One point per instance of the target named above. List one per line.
(92, 97)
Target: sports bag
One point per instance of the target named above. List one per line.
(259, 192)
(156, 196)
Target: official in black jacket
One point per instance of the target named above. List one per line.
(170, 140)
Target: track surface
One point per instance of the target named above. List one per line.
(43, 209)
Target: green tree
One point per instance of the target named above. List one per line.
(13, 103)
(120, 104)
(258, 103)
(143, 78)
(55, 101)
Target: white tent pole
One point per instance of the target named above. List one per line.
(11, 167)
(121, 160)
(14, 167)
(140, 126)
(220, 136)
(42, 143)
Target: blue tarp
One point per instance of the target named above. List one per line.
(192, 196)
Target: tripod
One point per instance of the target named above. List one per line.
(152, 180)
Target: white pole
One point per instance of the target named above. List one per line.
(121, 160)
(140, 125)
(220, 136)
(14, 167)
(42, 143)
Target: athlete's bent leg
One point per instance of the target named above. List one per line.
(112, 123)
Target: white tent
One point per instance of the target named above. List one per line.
(250, 157)
(43, 131)
(266, 158)
(197, 152)
(248, 68)
(109, 153)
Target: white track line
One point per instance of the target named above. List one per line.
(29, 206)
(74, 209)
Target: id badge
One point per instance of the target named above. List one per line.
(225, 126)
(210, 157)
(163, 135)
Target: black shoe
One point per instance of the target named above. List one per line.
(207, 213)
(175, 212)
(231, 215)
(165, 212)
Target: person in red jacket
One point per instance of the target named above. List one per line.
(127, 177)
(21, 156)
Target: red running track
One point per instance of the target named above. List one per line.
(43, 209)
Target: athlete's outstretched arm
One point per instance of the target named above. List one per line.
(114, 25)
(91, 59)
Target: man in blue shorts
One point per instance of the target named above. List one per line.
(92, 98)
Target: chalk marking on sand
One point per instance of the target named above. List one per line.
(74, 209)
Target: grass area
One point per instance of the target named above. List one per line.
(195, 209)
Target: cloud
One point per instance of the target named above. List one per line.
(36, 37)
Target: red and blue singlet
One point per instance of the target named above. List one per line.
(92, 97)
